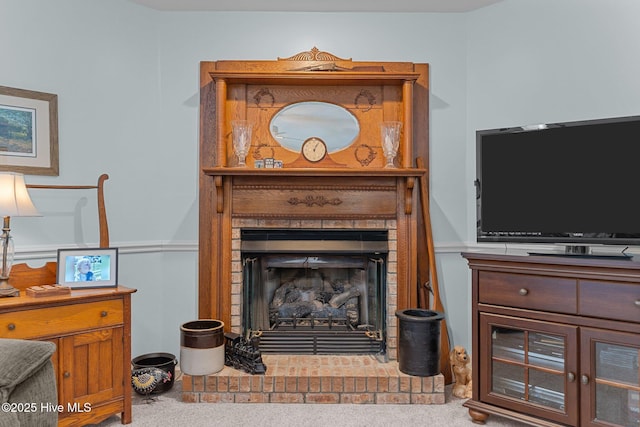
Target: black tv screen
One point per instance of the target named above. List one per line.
(576, 183)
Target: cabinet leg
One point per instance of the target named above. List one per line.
(125, 417)
(478, 417)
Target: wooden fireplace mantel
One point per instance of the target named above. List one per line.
(314, 77)
(335, 172)
(354, 186)
(409, 176)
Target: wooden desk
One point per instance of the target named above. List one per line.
(92, 331)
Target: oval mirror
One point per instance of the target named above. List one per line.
(295, 123)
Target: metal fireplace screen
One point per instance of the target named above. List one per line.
(315, 291)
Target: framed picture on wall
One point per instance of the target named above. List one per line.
(88, 268)
(28, 132)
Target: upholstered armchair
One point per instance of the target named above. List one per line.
(27, 384)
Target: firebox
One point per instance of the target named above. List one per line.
(315, 291)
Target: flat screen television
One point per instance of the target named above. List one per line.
(572, 183)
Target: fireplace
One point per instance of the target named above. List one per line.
(348, 191)
(315, 291)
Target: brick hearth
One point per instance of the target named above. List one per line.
(316, 379)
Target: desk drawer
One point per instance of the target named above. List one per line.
(59, 320)
(524, 291)
(620, 301)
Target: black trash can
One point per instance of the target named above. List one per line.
(419, 341)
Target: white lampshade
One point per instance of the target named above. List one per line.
(14, 197)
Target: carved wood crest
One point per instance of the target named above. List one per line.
(314, 54)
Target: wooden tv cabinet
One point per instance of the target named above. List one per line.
(556, 340)
(92, 332)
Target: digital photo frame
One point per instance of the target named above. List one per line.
(88, 268)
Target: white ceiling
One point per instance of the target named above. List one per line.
(318, 5)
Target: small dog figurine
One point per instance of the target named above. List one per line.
(461, 369)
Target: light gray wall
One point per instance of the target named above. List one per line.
(127, 80)
(437, 39)
(544, 61)
(101, 59)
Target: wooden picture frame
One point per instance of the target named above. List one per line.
(28, 132)
(102, 271)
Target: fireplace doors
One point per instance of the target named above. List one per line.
(315, 291)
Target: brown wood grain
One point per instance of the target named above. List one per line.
(353, 187)
(91, 329)
(526, 291)
(22, 275)
(445, 343)
(36, 322)
(614, 300)
(584, 302)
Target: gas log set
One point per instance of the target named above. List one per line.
(311, 295)
(315, 302)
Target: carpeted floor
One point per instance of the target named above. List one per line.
(169, 410)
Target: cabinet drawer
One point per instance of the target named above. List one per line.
(525, 291)
(620, 301)
(59, 320)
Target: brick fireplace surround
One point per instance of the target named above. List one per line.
(317, 378)
(348, 189)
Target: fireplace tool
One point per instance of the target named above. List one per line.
(445, 345)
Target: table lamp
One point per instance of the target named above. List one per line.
(14, 201)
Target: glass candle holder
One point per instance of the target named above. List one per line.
(241, 136)
(390, 139)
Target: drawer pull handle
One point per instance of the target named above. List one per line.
(637, 303)
(523, 291)
(103, 314)
(571, 377)
(584, 379)
(11, 326)
(67, 374)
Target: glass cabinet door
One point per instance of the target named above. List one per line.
(610, 378)
(530, 369)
